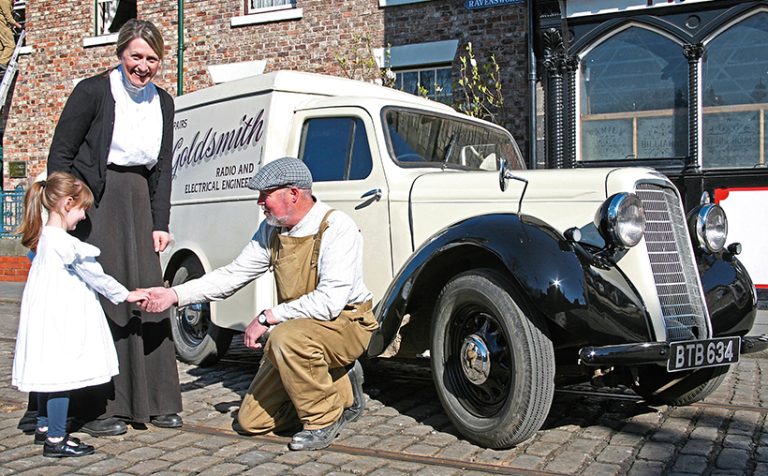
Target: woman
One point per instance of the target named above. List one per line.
(115, 133)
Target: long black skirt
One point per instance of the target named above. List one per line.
(148, 383)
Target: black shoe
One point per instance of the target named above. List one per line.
(28, 421)
(105, 427)
(307, 440)
(358, 404)
(69, 446)
(172, 420)
(40, 436)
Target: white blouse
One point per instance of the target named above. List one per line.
(138, 129)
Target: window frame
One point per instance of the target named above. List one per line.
(433, 68)
(355, 122)
(255, 16)
(635, 115)
(760, 108)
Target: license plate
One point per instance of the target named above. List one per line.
(695, 354)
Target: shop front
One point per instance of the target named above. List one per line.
(681, 86)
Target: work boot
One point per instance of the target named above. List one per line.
(307, 440)
(356, 378)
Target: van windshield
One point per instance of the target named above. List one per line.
(417, 139)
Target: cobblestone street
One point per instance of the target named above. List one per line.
(404, 431)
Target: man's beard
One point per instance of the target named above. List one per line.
(275, 221)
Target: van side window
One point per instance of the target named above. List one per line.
(335, 148)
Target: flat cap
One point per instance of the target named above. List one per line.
(283, 172)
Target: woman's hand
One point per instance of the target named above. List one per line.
(161, 240)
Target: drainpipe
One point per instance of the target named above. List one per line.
(532, 120)
(180, 52)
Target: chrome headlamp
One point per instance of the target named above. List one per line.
(621, 220)
(709, 225)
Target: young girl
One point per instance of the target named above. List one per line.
(63, 342)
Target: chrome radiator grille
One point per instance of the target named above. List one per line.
(674, 268)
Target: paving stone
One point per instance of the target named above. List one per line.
(142, 453)
(543, 449)
(254, 457)
(730, 458)
(604, 469)
(364, 465)
(195, 464)
(741, 442)
(645, 468)
(656, 451)
(616, 455)
(268, 469)
(312, 469)
(690, 464)
(421, 449)
(439, 471)
(182, 454)
(698, 447)
(568, 462)
(148, 467)
(49, 470)
(106, 466)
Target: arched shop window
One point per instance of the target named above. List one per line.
(633, 98)
(734, 96)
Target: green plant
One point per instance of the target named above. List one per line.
(362, 65)
(480, 87)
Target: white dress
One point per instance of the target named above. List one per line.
(64, 341)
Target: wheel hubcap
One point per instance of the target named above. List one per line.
(474, 359)
(193, 323)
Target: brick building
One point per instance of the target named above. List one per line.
(226, 39)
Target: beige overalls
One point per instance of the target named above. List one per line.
(302, 378)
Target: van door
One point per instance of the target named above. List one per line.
(338, 145)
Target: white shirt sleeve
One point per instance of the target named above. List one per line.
(223, 282)
(90, 271)
(339, 266)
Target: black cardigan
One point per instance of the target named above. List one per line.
(83, 137)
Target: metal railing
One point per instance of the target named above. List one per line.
(11, 211)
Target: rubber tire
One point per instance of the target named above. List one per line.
(523, 404)
(692, 387)
(199, 349)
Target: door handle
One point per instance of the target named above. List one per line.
(373, 195)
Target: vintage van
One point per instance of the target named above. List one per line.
(510, 281)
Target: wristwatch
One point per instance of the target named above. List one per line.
(263, 319)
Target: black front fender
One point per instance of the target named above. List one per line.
(543, 265)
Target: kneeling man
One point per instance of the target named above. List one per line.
(324, 319)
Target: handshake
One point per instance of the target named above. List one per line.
(156, 299)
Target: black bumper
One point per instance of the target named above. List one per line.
(651, 352)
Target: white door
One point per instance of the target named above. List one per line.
(338, 145)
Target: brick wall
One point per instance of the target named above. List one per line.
(14, 268)
(56, 31)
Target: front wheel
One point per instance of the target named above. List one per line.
(198, 341)
(493, 363)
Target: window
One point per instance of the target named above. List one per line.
(634, 98)
(112, 14)
(434, 83)
(336, 148)
(259, 6)
(266, 11)
(423, 139)
(734, 96)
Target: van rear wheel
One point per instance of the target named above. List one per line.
(198, 341)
